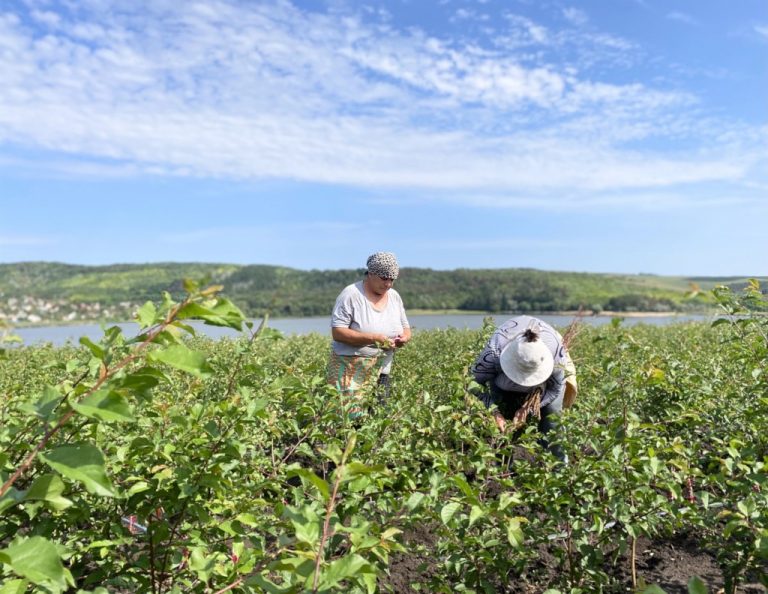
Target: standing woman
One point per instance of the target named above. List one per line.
(368, 323)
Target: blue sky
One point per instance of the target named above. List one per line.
(606, 136)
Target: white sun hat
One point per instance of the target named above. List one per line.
(526, 360)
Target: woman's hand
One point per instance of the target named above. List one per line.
(501, 422)
(402, 339)
(384, 342)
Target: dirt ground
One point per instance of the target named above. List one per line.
(668, 564)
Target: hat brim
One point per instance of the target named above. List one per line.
(524, 377)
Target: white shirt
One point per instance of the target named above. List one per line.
(353, 310)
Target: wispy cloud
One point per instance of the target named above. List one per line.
(465, 14)
(762, 30)
(259, 91)
(524, 31)
(682, 17)
(660, 199)
(575, 15)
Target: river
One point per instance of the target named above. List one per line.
(61, 335)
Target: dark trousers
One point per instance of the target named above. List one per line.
(382, 388)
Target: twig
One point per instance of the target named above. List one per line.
(531, 406)
(150, 535)
(327, 526)
(573, 328)
(228, 588)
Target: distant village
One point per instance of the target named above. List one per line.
(28, 311)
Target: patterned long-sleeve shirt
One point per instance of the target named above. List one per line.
(487, 368)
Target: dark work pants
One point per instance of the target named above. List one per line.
(382, 388)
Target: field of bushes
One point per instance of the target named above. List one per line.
(169, 463)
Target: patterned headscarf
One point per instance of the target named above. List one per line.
(383, 264)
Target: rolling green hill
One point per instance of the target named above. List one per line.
(53, 291)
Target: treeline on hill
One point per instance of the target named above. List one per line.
(282, 291)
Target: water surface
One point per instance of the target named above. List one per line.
(61, 335)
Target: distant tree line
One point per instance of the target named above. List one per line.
(282, 291)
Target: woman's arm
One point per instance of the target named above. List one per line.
(359, 339)
(485, 368)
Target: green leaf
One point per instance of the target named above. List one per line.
(371, 584)
(49, 488)
(105, 405)
(248, 519)
(202, 564)
(696, 586)
(37, 559)
(261, 582)
(45, 404)
(14, 587)
(223, 313)
(190, 285)
(140, 382)
(306, 523)
(138, 487)
(464, 487)
(414, 500)
(355, 469)
(83, 463)
(343, 568)
(333, 453)
(349, 447)
(448, 511)
(11, 498)
(146, 315)
(95, 349)
(746, 508)
(515, 534)
(507, 499)
(296, 565)
(475, 514)
(182, 357)
(313, 479)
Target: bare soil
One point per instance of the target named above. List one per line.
(667, 563)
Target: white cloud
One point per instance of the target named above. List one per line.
(576, 16)
(682, 17)
(260, 91)
(465, 14)
(525, 31)
(762, 30)
(46, 17)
